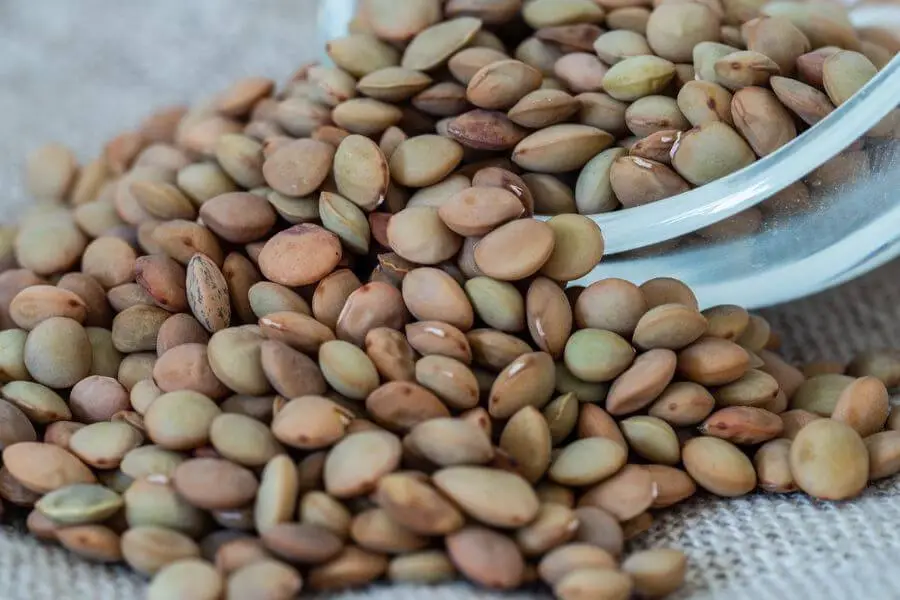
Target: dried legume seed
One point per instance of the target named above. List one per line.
(773, 469)
(719, 466)
(656, 573)
(829, 460)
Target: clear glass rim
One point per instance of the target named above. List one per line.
(840, 261)
(685, 213)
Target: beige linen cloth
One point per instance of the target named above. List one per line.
(81, 70)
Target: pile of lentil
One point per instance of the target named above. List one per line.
(297, 340)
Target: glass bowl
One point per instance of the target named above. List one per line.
(735, 240)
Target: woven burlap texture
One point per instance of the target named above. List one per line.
(81, 70)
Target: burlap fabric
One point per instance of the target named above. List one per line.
(82, 70)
